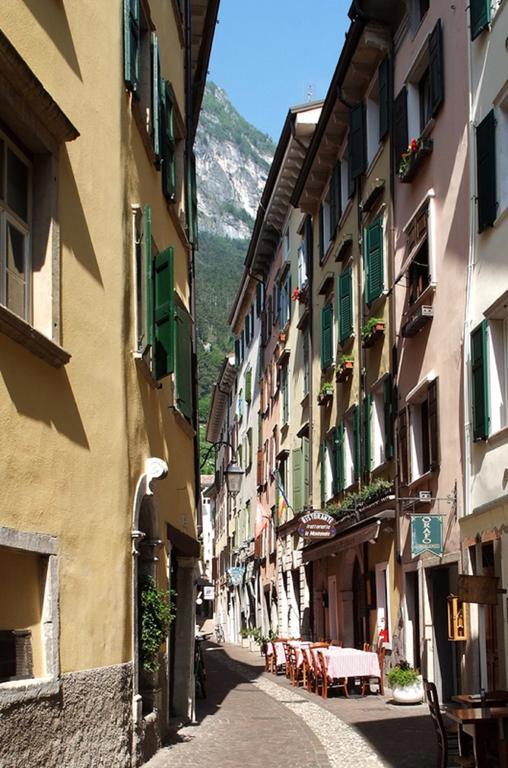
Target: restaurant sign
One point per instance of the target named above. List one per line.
(426, 534)
(317, 525)
(236, 575)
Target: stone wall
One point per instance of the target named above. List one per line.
(84, 722)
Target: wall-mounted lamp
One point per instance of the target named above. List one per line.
(233, 471)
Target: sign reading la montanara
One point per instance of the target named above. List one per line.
(317, 525)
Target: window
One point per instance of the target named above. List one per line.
(382, 423)
(372, 120)
(324, 226)
(15, 224)
(489, 363)
(346, 189)
(183, 360)
(326, 337)
(326, 464)
(492, 165)
(357, 141)
(259, 298)
(384, 92)
(248, 385)
(335, 200)
(374, 261)
(351, 447)
(240, 405)
(425, 87)
(418, 433)
(29, 608)
(284, 387)
(306, 362)
(302, 266)
(285, 246)
(285, 302)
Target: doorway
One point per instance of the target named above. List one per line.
(445, 658)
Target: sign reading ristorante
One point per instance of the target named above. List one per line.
(316, 525)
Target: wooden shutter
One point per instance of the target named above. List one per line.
(192, 200)
(436, 68)
(345, 308)
(384, 97)
(403, 447)
(357, 443)
(480, 381)
(433, 424)
(366, 434)
(486, 171)
(335, 200)
(326, 336)
(400, 128)
(168, 162)
(351, 184)
(131, 36)
(357, 139)
(388, 416)
(184, 361)
(248, 385)
(149, 287)
(249, 446)
(374, 267)
(480, 16)
(321, 233)
(156, 99)
(237, 353)
(309, 249)
(164, 313)
(297, 458)
(260, 468)
(259, 299)
(322, 472)
(306, 469)
(338, 458)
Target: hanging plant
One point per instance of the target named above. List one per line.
(157, 611)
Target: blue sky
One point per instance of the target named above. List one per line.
(266, 54)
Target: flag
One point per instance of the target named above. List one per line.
(281, 507)
(262, 519)
(283, 502)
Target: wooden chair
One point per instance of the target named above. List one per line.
(447, 741)
(380, 681)
(307, 669)
(340, 683)
(337, 643)
(287, 656)
(317, 674)
(276, 668)
(367, 647)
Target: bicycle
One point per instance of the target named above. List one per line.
(199, 666)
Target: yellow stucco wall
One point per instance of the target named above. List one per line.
(75, 439)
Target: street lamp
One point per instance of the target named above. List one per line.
(233, 471)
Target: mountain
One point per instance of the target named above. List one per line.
(232, 163)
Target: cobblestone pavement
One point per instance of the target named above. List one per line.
(252, 719)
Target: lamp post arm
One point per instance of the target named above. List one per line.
(217, 445)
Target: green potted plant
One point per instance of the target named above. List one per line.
(411, 159)
(325, 394)
(372, 330)
(405, 683)
(344, 369)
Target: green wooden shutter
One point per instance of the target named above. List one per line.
(248, 385)
(338, 459)
(366, 434)
(322, 472)
(400, 127)
(345, 308)
(192, 200)
(184, 361)
(306, 470)
(374, 265)
(480, 381)
(357, 442)
(486, 171)
(388, 416)
(358, 140)
(480, 16)
(384, 97)
(297, 457)
(131, 36)
(164, 313)
(321, 233)
(168, 166)
(149, 275)
(156, 99)
(436, 68)
(326, 336)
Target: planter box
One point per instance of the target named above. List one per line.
(344, 372)
(325, 399)
(408, 694)
(370, 339)
(416, 160)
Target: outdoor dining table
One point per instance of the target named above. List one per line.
(280, 656)
(479, 722)
(492, 699)
(349, 662)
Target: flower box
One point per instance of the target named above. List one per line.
(372, 334)
(344, 370)
(324, 398)
(412, 159)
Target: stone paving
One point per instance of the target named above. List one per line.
(253, 719)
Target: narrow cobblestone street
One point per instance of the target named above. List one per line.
(252, 719)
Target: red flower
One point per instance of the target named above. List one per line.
(296, 294)
(414, 145)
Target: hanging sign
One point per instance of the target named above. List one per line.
(317, 525)
(426, 534)
(236, 575)
(478, 589)
(208, 593)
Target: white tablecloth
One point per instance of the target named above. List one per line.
(348, 662)
(280, 656)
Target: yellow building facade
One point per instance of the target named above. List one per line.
(98, 111)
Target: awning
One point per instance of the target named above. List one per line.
(184, 544)
(352, 538)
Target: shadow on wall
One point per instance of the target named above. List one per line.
(50, 400)
(52, 18)
(74, 229)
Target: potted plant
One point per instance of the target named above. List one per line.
(245, 635)
(344, 368)
(405, 683)
(325, 394)
(300, 294)
(372, 330)
(411, 159)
